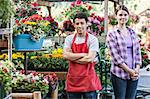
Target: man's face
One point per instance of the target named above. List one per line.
(80, 26)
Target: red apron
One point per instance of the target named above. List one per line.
(81, 77)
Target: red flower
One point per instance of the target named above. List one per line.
(33, 81)
(145, 56)
(17, 21)
(78, 1)
(89, 7)
(92, 14)
(34, 73)
(23, 20)
(34, 4)
(102, 28)
(72, 4)
(35, 17)
(51, 20)
(102, 19)
(5, 70)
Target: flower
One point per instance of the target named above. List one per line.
(17, 59)
(77, 6)
(32, 82)
(29, 22)
(96, 24)
(145, 58)
(6, 68)
(49, 62)
(37, 26)
(25, 8)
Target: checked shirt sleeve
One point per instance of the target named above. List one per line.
(112, 45)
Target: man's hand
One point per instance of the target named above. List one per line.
(67, 54)
(87, 58)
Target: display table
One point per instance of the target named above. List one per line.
(25, 56)
(144, 81)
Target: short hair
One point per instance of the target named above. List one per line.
(81, 15)
(121, 7)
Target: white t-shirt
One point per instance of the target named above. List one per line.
(92, 42)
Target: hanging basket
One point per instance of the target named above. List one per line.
(24, 42)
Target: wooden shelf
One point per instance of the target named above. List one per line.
(60, 75)
(5, 30)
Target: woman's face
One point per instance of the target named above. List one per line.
(122, 17)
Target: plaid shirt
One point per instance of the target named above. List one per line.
(118, 50)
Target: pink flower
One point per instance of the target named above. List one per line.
(72, 4)
(99, 27)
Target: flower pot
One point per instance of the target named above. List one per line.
(24, 42)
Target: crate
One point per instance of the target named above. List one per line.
(34, 95)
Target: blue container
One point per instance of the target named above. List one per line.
(24, 42)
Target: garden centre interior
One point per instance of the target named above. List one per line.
(36, 69)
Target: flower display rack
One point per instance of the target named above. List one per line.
(8, 31)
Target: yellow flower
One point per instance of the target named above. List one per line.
(14, 56)
(33, 57)
(57, 55)
(46, 23)
(59, 50)
(5, 56)
(46, 55)
(30, 23)
(54, 51)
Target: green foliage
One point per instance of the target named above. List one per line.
(145, 60)
(6, 10)
(48, 64)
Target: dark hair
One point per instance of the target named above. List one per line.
(81, 15)
(121, 7)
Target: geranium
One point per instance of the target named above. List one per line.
(32, 82)
(29, 22)
(96, 24)
(37, 26)
(25, 8)
(77, 6)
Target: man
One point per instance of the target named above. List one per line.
(80, 49)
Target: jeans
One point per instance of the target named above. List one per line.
(82, 95)
(124, 89)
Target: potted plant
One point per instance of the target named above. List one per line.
(6, 68)
(32, 82)
(48, 62)
(77, 6)
(30, 26)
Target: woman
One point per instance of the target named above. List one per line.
(126, 57)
